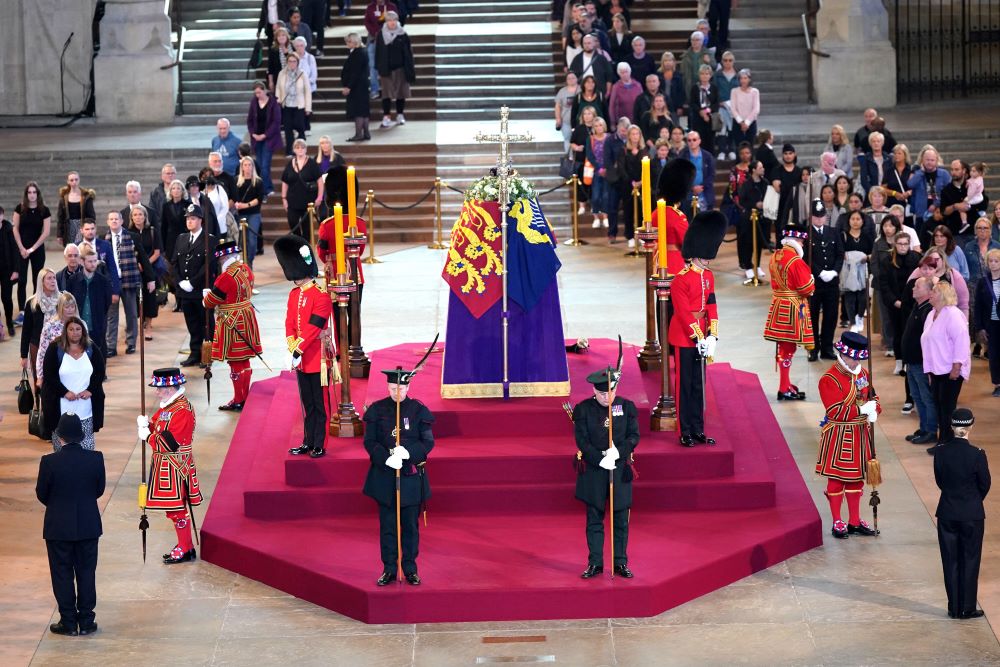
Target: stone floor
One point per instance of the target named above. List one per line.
(853, 602)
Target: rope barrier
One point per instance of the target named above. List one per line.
(553, 189)
(420, 201)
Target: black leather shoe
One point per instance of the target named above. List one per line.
(301, 449)
(317, 453)
(687, 441)
(61, 628)
(186, 558)
(193, 553)
(814, 355)
(231, 407)
(88, 629)
(862, 529)
(975, 613)
(839, 530)
(592, 571)
(412, 579)
(130, 349)
(914, 435)
(623, 571)
(791, 395)
(924, 438)
(933, 448)
(386, 579)
(829, 355)
(703, 439)
(191, 361)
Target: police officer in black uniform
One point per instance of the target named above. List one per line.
(825, 257)
(963, 475)
(595, 460)
(415, 442)
(189, 271)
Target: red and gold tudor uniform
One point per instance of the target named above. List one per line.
(694, 326)
(326, 245)
(173, 478)
(846, 438)
(788, 321)
(306, 318)
(237, 338)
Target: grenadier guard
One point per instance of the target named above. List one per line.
(237, 338)
(845, 445)
(673, 186)
(694, 326)
(409, 458)
(306, 323)
(789, 323)
(596, 459)
(173, 479)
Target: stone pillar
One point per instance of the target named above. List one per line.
(856, 35)
(130, 87)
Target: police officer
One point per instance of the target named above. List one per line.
(825, 257)
(596, 460)
(190, 266)
(963, 475)
(408, 458)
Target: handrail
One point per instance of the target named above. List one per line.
(811, 14)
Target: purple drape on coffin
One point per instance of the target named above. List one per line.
(473, 351)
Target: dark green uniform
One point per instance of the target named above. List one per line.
(590, 425)
(415, 435)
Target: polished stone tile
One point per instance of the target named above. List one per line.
(710, 645)
(584, 648)
(392, 650)
(292, 617)
(111, 648)
(943, 642)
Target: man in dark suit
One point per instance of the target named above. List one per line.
(193, 274)
(825, 257)
(69, 483)
(590, 62)
(963, 475)
(133, 197)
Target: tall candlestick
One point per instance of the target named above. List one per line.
(338, 221)
(647, 194)
(661, 233)
(352, 203)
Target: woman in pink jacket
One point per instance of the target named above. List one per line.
(947, 360)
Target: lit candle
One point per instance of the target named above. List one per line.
(338, 221)
(661, 233)
(647, 195)
(352, 203)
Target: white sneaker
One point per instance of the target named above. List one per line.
(855, 328)
(604, 222)
(760, 273)
(749, 274)
(401, 119)
(386, 121)
(631, 244)
(722, 155)
(732, 155)
(890, 353)
(597, 223)
(899, 367)
(581, 210)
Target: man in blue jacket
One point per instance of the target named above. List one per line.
(927, 184)
(69, 483)
(92, 291)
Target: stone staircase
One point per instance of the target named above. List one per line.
(767, 38)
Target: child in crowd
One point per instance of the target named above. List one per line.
(974, 192)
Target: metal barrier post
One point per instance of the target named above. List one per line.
(370, 205)
(576, 240)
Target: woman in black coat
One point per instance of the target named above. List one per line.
(396, 70)
(702, 106)
(893, 277)
(53, 389)
(356, 82)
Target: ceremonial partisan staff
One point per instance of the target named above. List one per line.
(399, 379)
(143, 519)
(206, 345)
(614, 375)
(873, 469)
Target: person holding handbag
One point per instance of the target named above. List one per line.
(295, 98)
(578, 144)
(74, 372)
(300, 186)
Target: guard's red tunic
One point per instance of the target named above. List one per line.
(326, 244)
(695, 312)
(173, 476)
(306, 316)
(792, 283)
(236, 334)
(845, 445)
(677, 226)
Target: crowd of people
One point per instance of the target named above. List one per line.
(699, 106)
(380, 67)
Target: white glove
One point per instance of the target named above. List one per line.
(401, 452)
(827, 276)
(612, 453)
(870, 409)
(205, 292)
(608, 463)
(296, 361)
(710, 343)
(702, 346)
(394, 462)
(142, 421)
(186, 285)
(143, 433)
